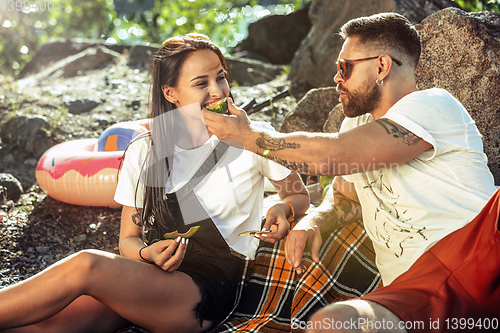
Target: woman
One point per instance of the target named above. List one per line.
(174, 178)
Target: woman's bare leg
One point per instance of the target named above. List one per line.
(139, 292)
(83, 315)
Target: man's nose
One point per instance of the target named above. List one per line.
(337, 78)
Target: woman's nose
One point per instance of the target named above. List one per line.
(216, 90)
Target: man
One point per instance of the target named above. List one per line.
(411, 161)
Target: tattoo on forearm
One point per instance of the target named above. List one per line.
(137, 218)
(399, 132)
(271, 144)
(344, 212)
(300, 167)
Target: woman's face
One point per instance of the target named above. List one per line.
(202, 80)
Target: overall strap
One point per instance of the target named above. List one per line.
(204, 169)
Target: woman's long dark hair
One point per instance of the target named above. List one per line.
(165, 71)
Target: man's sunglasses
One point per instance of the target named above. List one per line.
(180, 39)
(344, 66)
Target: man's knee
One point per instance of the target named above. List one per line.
(334, 317)
(355, 316)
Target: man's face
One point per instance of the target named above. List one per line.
(359, 94)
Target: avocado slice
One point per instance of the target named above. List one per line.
(219, 106)
(187, 234)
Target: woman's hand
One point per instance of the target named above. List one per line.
(277, 222)
(166, 254)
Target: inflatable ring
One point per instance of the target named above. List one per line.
(84, 172)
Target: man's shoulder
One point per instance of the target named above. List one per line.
(433, 103)
(430, 95)
(350, 123)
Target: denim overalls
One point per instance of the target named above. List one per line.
(209, 261)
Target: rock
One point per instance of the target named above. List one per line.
(81, 105)
(277, 37)
(141, 55)
(32, 162)
(335, 118)
(58, 49)
(80, 238)
(26, 135)
(311, 111)
(313, 65)
(12, 188)
(90, 58)
(461, 53)
(248, 72)
(42, 249)
(8, 159)
(3, 196)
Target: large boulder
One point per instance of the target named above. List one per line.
(249, 72)
(311, 111)
(88, 59)
(334, 120)
(58, 49)
(314, 63)
(277, 37)
(10, 188)
(461, 53)
(26, 135)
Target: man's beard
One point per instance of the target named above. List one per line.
(360, 102)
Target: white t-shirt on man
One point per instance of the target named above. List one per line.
(232, 193)
(408, 208)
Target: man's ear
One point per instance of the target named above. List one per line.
(384, 66)
(169, 94)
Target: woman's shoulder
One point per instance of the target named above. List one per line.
(139, 145)
(140, 141)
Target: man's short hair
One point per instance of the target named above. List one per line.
(387, 32)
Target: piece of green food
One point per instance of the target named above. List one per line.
(219, 106)
(187, 234)
(254, 232)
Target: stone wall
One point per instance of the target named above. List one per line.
(461, 53)
(313, 65)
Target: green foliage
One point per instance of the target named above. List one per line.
(480, 5)
(23, 28)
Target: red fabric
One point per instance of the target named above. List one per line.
(459, 277)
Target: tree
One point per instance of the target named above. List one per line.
(25, 25)
(480, 5)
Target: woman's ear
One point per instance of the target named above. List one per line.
(169, 94)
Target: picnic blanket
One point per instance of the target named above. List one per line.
(273, 298)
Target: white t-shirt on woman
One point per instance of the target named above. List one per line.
(232, 193)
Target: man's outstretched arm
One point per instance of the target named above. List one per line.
(339, 208)
(377, 145)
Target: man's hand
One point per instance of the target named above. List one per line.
(234, 127)
(306, 232)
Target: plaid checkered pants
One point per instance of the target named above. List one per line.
(273, 297)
